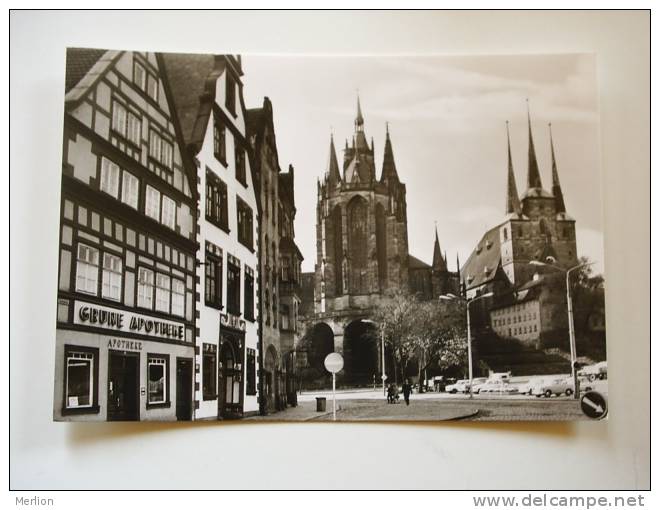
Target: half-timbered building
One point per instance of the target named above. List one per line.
(125, 309)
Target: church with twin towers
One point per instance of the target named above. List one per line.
(362, 254)
(362, 251)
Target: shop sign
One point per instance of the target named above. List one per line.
(228, 320)
(98, 316)
(122, 344)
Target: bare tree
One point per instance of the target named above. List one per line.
(430, 332)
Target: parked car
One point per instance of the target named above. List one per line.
(527, 387)
(498, 386)
(595, 371)
(457, 387)
(554, 386)
(500, 376)
(477, 382)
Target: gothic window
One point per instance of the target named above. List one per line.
(357, 244)
(344, 273)
(381, 245)
(338, 249)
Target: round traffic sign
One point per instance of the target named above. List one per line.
(594, 405)
(333, 362)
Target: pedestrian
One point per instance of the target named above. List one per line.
(407, 390)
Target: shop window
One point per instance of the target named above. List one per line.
(251, 372)
(169, 212)
(216, 201)
(112, 277)
(158, 380)
(178, 298)
(145, 290)
(162, 293)
(233, 289)
(240, 164)
(152, 206)
(81, 379)
(109, 178)
(245, 225)
(87, 269)
(213, 281)
(219, 141)
(209, 373)
(249, 295)
(130, 189)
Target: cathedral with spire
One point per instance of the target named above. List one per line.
(362, 233)
(518, 259)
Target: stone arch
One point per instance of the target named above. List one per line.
(360, 348)
(319, 342)
(357, 213)
(270, 375)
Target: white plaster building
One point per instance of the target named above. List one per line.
(207, 93)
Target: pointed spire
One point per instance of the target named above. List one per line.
(458, 264)
(512, 198)
(439, 263)
(389, 172)
(359, 120)
(533, 175)
(333, 167)
(556, 187)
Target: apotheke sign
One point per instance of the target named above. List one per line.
(89, 314)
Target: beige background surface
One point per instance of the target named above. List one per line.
(612, 454)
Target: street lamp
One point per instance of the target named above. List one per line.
(382, 351)
(469, 332)
(571, 326)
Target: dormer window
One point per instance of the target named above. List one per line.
(470, 278)
(488, 245)
(478, 249)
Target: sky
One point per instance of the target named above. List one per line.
(446, 119)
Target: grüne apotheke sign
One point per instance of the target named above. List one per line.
(89, 314)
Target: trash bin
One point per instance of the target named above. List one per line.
(320, 404)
